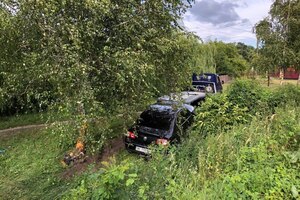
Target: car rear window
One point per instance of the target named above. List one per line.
(156, 120)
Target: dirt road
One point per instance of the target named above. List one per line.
(19, 129)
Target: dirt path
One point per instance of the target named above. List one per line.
(112, 148)
(19, 129)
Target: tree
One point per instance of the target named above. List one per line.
(245, 50)
(108, 56)
(228, 60)
(279, 35)
(111, 52)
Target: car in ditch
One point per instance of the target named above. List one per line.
(207, 82)
(164, 122)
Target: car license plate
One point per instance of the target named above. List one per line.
(143, 150)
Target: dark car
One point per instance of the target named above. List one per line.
(207, 82)
(163, 123)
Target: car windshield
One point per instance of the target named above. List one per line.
(156, 119)
(203, 86)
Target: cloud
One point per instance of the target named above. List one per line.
(229, 21)
(211, 11)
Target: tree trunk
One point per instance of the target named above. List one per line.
(268, 79)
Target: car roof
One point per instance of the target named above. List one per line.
(191, 96)
(169, 110)
(187, 97)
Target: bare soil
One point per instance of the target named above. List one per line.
(111, 149)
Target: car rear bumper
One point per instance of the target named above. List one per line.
(136, 148)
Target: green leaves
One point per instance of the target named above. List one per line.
(109, 183)
(113, 53)
(278, 35)
(218, 114)
(294, 192)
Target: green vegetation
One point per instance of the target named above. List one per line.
(22, 120)
(30, 159)
(30, 119)
(253, 154)
(84, 60)
(105, 54)
(278, 35)
(30, 166)
(96, 63)
(232, 59)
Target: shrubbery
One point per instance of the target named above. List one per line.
(236, 150)
(259, 100)
(251, 161)
(219, 114)
(287, 94)
(248, 94)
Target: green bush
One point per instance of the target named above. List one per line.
(248, 94)
(287, 94)
(260, 160)
(218, 114)
(109, 183)
(96, 134)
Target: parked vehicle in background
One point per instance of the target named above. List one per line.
(163, 123)
(207, 82)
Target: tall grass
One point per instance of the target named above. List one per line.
(30, 166)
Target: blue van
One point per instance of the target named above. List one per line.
(207, 82)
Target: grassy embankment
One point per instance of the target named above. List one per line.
(30, 161)
(245, 144)
(30, 167)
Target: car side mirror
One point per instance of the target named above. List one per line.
(222, 82)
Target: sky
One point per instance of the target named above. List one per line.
(228, 21)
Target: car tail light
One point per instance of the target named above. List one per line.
(131, 135)
(163, 142)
